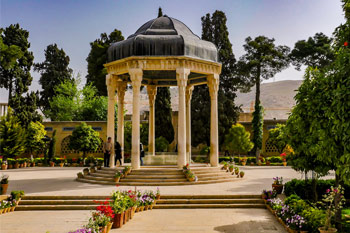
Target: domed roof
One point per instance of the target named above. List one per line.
(163, 36)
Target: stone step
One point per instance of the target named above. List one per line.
(130, 179)
(207, 206)
(92, 197)
(55, 207)
(219, 180)
(210, 201)
(58, 202)
(140, 176)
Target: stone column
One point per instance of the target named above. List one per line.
(189, 90)
(136, 78)
(111, 87)
(152, 92)
(181, 77)
(213, 83)
(121, 86)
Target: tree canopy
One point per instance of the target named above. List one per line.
(238, 140)
(277, 137)
(54, 70)
(263, 60)
(35, 134)
(314, 52)
(163, 114)
(98, 57)
(84, 139)
(214, 29)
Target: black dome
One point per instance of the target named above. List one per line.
(163, 36)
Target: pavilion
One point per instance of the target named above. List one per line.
(162, 52)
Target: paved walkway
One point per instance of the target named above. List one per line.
(61, 181)
(154, 221)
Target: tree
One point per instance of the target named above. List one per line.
(51, 146)
(8, 54)
(25, 108)
(12, 136)
(17, 79)
(277, 137)
(238, 139)
(54, 70)
(163, 113)
(262, 61)
(315, 52)
(98, 57)
(214, 29)
(35, 133)
(73, 104)
(84, 139)
(161, 144)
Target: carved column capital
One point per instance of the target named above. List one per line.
(152, 92)
(213, 84)
(121, 88)
(189, 90)
(182, 76)
(136, 77)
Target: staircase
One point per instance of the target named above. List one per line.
(166, 202)
(160, 176)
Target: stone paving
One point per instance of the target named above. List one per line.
(154, 221)
(60, 181)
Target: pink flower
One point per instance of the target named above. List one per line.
(328, 190)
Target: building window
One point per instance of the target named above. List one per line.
(97, 128)
(68, 128)
(48, 128)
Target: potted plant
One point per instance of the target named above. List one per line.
(80, 175)
(268, 163)
(52, 163)
(241, 174)
(17, 195)
(3, 165)
(157, 194)
(333, 200)
(92, 169)
(236, 170)
(283, 157)
(4, 184)
(231, 168)
(277, 184)
(117, 176)
(86, 171)
(244, 161)
(186, 167)
(225, 165)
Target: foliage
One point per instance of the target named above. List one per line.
(214, 29)
(17, 79)
(84, 139)
(144, 131)
(303, 189)
(277, 138)
(315, 52)
(9, 54)
(98, 57)
(164, 126)
(73, 104)
(161, 144)
(12, 136)
(35, 134)
(54, 70)
(238, 139)
(52, 146)
(263, 59)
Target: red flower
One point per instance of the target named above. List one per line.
(117, 185)
(346, 43)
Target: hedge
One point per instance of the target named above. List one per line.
(303, 188)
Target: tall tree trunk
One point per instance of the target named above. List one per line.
(257, 103)
(314, 189)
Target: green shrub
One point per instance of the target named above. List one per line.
(205, 150)
(303, 188)
(314, 218)
(161, 144)
(275, 159)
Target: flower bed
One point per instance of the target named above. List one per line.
(9, 205)
(116, 211)
(189, 174)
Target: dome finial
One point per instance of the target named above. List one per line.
(160, 12)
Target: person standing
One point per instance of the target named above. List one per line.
(107, 149)
(142, 153)
(118, 154)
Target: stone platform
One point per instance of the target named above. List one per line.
(161, 176)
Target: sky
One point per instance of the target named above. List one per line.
(73, 24)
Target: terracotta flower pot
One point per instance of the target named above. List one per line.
(3, 166)
(231, 169)
(133, 209)
(13, 208)
(16, 165)
(243, 163)
(125, 217)
(278, 188)
(330, 230)
(284, 163)
(103, 229)
(33, 164)
(4, 188)
(157, 196)
(25, 164)
(52, 164)
(118, 220)
(142, 208)
(109, 226)
(61, 164)
(116, 179)
(1, 211)
(268, 163)
(10, 166)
